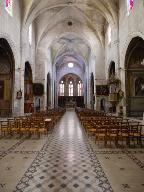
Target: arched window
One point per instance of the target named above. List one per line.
(109, 34)
(112, 69)
(70, 88)
(129, 5)
(61, 88)
(8, 6)
(30, 34)
(80, 88)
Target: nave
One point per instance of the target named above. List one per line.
(68, 161)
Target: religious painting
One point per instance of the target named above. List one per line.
(102, 90)
(139, 87)
(1, 89)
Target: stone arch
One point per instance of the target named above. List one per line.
(67, 99)
(13, 47)
(7, 78)
(126, 44)
(134, 65)
(71, 77)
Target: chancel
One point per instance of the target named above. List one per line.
(71, 96)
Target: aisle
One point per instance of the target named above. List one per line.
(65, 163)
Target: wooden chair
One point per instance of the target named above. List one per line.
(134, 133)
(42, 129)
(5, 128)
(14, 127)
(142, 135)
(112, 133)
(101, 134)
(34, 129)
(24, 128)
(123, 133)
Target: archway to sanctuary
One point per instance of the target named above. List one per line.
(134, 64)
(70, 91)
(6, 78)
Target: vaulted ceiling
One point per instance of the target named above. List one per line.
(69, 26)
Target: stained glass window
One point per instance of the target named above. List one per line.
(61, 88)
(130, 4)
(8, 6)
(70, 88)
(109, 34)
(80, 88)
(30, 34)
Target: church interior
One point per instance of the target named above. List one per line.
(71, 96)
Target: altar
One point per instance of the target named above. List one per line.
(70, 101)
(70, 104)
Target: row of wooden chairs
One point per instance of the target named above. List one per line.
(35, 124)
(22, 127)
(106, 128)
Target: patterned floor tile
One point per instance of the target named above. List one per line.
(68, 161)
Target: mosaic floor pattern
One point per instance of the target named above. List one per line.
(67, 161)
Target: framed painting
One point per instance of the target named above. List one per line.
(1, 89)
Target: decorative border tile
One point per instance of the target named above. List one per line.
(4, 153)
(130, 153)
(139, 163)
(28, 175)
(104, 183)
(100, 177)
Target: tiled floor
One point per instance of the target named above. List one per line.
(67, 161)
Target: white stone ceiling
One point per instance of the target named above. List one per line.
(87, 28)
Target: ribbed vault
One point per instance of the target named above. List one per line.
(88, 15)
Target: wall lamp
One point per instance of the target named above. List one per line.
(120, 68)
(19, 94)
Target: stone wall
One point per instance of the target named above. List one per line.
(10, 30)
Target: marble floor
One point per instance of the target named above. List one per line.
(67, 161)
